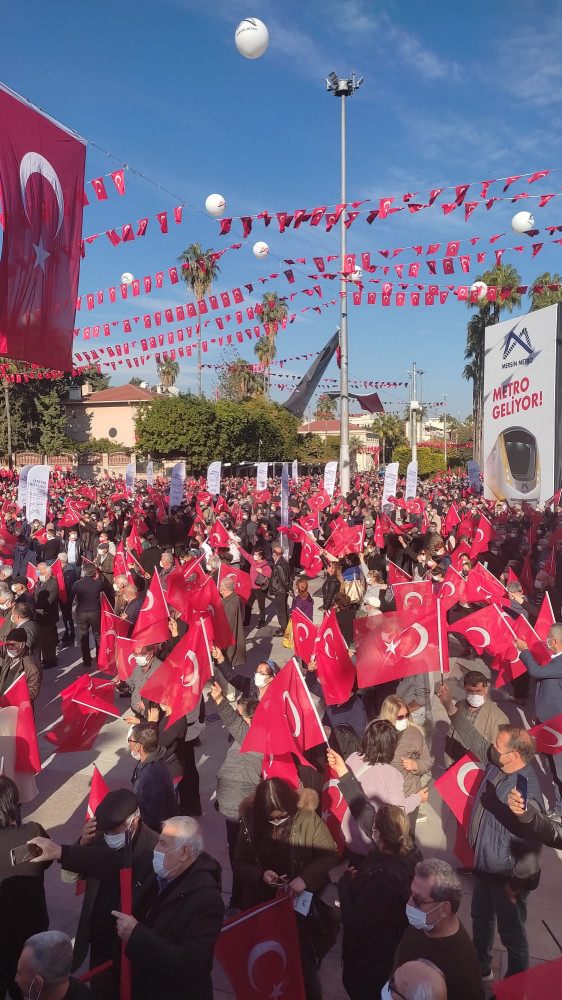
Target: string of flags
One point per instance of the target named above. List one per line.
(130, 231)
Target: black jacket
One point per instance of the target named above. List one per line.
(171, 948)
(87, 592)
(330, 588)
(546, 829)
(23, 909)
(280, 581)
(46, 602)
(152, 785)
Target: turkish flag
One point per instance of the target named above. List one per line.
(466, 526)
(545, 618)
(134, 540)
(98, 790)
(42, 171)
(111, 626)
(458, 787)
(123, 563)
(206, 602)
(525, 631)
(56, 570)
(453, 589)
(533, 984)
(31, 576)
(260, 953)
(456, 555)
(395, 575)
(451, 520)
(311, 522)
(285, 720)
(70, 517)
(333, 807)
(192, 570)
(311, 556)
(86, 705)
(489, 629)
(554, 500)
(304, 635)
(483, 535)
(7, 536)
(218, 536)
(179, 682)
(527, 575)
(548, 735)
(483, 586)
(281, 766)
(124, 656)
(151, 625)
(353, 539)
(319, 501)
(336, 671)
(414, 596)
(27, 751)
(399, 644)
(242, 580)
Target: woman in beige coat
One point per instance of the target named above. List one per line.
(411, 757)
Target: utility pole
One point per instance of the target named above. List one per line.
(445, 432)
(414, 408)
(343, 89)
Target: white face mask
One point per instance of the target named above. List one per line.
(42, 577)
(73, 538)
(115, 840)
(386, 993)
(401, 725)
(135, 755)
(141, 660)
(418, 918)
(116, 587)
(158, 863)
(12, 653)
(260, 680)
(476, 700)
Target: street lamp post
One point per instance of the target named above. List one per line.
(445, 433)
(343, 89)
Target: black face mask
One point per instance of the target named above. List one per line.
(494, 756)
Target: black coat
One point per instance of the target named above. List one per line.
(23, 909)
(171, 948)
(280, 582)
(152, 785)
(330, 588)
(46, 602)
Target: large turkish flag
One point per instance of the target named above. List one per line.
(42, 187)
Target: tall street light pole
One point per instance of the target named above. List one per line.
(343, 89)
(445, 433)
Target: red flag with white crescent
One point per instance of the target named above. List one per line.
(304, 635)
(333, 807)
(415, 596)
(545, 618)
(458, 787)
(111, 627)
(484, 534)
(482, 587)
(452, 589)
(242, 581)
(336, 671)
(151, 625)
(451, 520)
(282, 766)
(394, 574)
(42, 171)
(178, 683)
(548, 735)
(27, 751)
(399, 644)
(286, 720)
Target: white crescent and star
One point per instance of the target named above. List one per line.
(296, 717)
(301, 627)
(424, 638)
(262, 949)
(149, 602)
(190, 680)
(328, 652)
(556, 734)
(412, 594)
(485, 635)
(391, 645)
(462, 775)
(333, 783)
(448, 583)
(35, 163)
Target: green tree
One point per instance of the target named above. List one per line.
(390, 432)
(135, 380)
(313, 449)
(429, 460)
(273, 312)
(541, 295)
(181, 425)
(326, 407)
(168, 372)
(500, 276)
(199, 276)
(285, 443)
(240, 429)
(238, 381)
(53, 438)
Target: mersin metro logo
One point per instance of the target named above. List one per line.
(514, 339)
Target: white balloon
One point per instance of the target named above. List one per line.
(127, 278)
(481, 289)
(251, 37)
(356, 275)
(260, 249)
(215, 205)
(522, 222)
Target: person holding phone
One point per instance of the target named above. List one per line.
(23, 908)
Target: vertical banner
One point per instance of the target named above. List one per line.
(37, 490)
(150, 473)
(214, 478)
(130, 476)
(22, 485)
(285, 506)
(390, 481)
(411, 481)
(295, 471)
(261, 476)
(330, 473)
(177, 480)
(473, 472)
(521, 417)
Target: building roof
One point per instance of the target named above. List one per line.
(120, 394)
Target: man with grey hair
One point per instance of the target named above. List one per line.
(44, 968)
(436, 933)
(420, 980)
(548, 695)
(166, 566)
(177, 919)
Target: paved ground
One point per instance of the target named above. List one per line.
(63, 791)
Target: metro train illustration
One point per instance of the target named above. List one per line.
(513, 470)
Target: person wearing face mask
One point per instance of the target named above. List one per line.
(46, 596)
(165, 567)
(151, 781)
(260, 574)
(87, 594)
(548, 695)
(74, 549)
(178, 913)
(44, 966)
(23, 555)
(15, 660)
(266, 670)
(115, 833)
(420, 980)
(146, 663)
(7, 601)
(373, 899)
(483, 714)
(411, 756)
(52, 546)
(435, 932)
(544, 584)
(23, 617)
(282, 840)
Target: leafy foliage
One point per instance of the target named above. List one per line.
(237, 380)
(53, 437)
(390, 432)
(429, 460)
(168, 372)
(274, 311)
(542, 295)
(325, 407)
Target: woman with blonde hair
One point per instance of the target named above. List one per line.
(411, 757)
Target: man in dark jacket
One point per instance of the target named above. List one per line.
(21, 619)
(177, 919)
(151, 779)
(235, 655)
(15, 660)
(23, 555)
(70, 575)
(87, 594)
(279, 586)
(548, 695)
(46, 594)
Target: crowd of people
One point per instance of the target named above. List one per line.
(365, 878)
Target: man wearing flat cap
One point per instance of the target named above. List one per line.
(102, 851)
(15, 660)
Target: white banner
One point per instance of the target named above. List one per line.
(177, 480)
(295, 471)
(214, 478)
(411, 481)
(330, 473)
(473, 472)
(390, 481)
(22, 485)
(150, 473)
(284, 506)
(130, 475)
(520, 450)
(37, 490)
(261, 475)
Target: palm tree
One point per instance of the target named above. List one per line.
(390, 430)
(545, 296)
(168, 372)
(326, 407)
(273, 312)
(500, 276)
(199, 276)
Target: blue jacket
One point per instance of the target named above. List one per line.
(548, 694)
(154, 790)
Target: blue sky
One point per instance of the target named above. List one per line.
(453, 93)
